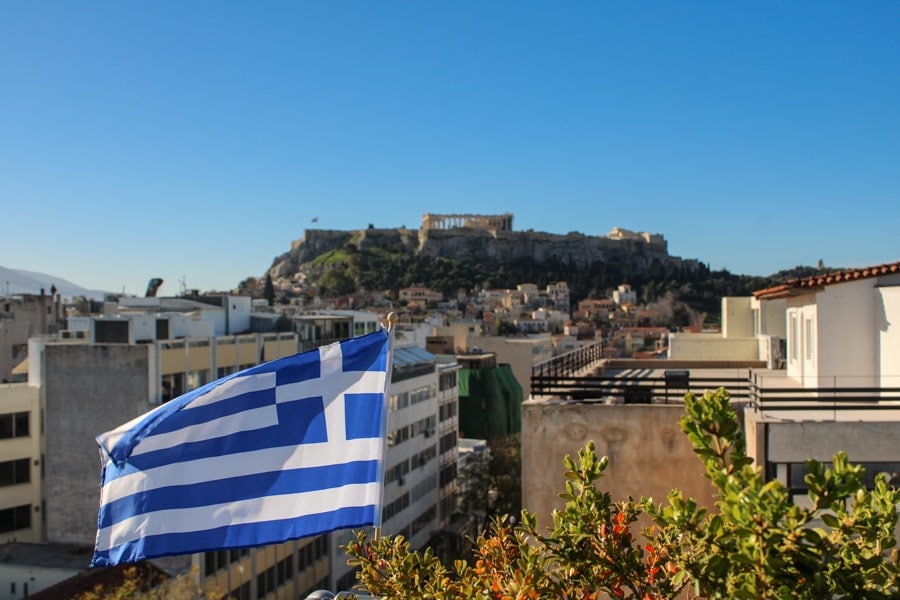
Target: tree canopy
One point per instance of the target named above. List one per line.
(754, 543)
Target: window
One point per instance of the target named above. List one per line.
(213, 561)
(197, 379)
(241, 593)
(794, 338)
(13, 425)
(13, 519)
(424, 519)
(220, 559)
(172, 386)
(808, 335)
(15, 471)
(265, 582)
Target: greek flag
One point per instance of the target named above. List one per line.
(287, 449)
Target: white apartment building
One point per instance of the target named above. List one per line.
(421, 461)
(559, 296)
(624, 295)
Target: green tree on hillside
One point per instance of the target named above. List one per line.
(269, 290)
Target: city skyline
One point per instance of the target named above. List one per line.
(195, 141)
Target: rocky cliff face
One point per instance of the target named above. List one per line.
(575, 250)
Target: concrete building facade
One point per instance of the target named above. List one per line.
(520, 353)
(21, 317)
(21, 464)
(648, 453)
(422, 452)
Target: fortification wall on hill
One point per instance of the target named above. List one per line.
(575, 249)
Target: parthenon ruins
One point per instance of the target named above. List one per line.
(488, 222)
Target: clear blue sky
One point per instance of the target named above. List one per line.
(197, 139)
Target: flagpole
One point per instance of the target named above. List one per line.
(391, 324)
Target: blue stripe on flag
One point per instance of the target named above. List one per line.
(299, 368)
(236, 536)
(210, 412)
(361, 357)
(235, 489)
(363, 415)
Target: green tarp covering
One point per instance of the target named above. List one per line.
(490, 403)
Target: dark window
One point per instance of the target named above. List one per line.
(15, 471)
(172, 386)
(240, 593)
(111, 332)
(13, 519)
(14, 425)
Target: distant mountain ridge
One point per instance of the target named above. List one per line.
(18, 281)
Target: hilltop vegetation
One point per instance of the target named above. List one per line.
(341, 263)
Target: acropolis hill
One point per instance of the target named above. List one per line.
(490, 239)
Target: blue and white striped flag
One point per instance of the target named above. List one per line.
(288, 449)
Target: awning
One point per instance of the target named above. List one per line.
(21, 368)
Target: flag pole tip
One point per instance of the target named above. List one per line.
(391, 320)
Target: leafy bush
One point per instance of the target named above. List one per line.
(755, 543)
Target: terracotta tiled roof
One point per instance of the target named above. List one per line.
(807, 284)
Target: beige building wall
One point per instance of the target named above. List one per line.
(17, 399)
(460, 331)
(520, 353)
(711, 346)
(737, 320)
(648, 453)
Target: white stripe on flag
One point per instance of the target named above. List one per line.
(340, 383)
(331, 369)
(268, 508)
(238, 465)
(248, 420)
(234, 387)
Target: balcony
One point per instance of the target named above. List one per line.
(767, 391)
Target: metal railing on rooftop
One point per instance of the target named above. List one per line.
(571, 363)
(839, 396)
(646, 389)
(762, 392)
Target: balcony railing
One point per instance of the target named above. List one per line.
(661, 389)
(763, 392)
(841, 395)
(569, 364)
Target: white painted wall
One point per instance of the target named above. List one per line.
(854, 343)
(847, 340)
(772, 317)
(711, 346)
(238, 308)
(887, 326)
(736, 317)
(181, 326)
(143, 327)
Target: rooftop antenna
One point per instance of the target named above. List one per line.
(183, 283)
